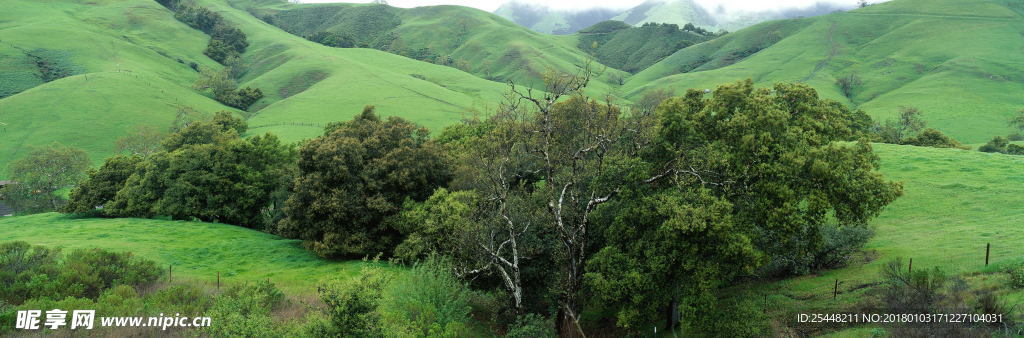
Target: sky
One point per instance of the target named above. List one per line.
(491, 5)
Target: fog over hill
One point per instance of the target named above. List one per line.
(709, 14)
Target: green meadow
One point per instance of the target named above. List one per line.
(196, 251)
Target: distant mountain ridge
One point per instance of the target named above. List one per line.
(680, 12)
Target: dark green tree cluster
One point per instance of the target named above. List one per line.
(910, 129)
(633, 49)
(224, 89)
(1003, 145)
(561, 200)
(226, 41)
(354, 177)
(39, 176)
(206, 172)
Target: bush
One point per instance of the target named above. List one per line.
(435, 226)
(739, 316)
(245, 311)
(1017, 277)
(352, 304)
(427, 301)
(27, 271)
(90, 271)
(531, 325)
(1013, 149)
(932, 138)
(1015, 137)
(996, 145)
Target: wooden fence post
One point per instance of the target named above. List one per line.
(835, 292)
(988, 248)
(218, 280)
(169, 273)
(910, 267)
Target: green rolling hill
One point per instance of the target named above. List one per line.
(121, 58)
(478, 42)
(962, 68)
(86, 73)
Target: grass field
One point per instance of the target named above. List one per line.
(954, 203)
(196, 250)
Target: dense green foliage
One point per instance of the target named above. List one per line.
(39, 176)
(102, 185)
(754, 186)
(226, 41)
(205, 171)
(633, 49)
(354, 177)
(28, 272)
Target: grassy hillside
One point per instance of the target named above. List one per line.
(127, 64)
(678, 12)
(954, 203)
(956, 60)
(551, 21)
(633, 49)
(476, 41)
(120, 59)
(196, 250)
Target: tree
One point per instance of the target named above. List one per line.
(207, 172)
(998, 144)
(933, 138)
(144, 141)
(354, 177)
(547, 165)
(1018, 121)
(435, 226)
(101, 186)
(42, 173)
(746, 186)
(908, 124)
(217, 82)
(848, 84)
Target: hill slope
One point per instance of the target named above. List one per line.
(550, 21)
(476, 41)
(963, 68)
(122, 61)
(197, 250)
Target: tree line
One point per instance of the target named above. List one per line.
(568, 208)
(227, 43)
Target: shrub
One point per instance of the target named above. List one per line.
(427, 301)
(1015, 137)
(90, 271)
(1017, 277)
(27, 271)
(245, 311)
(352, 304)
(739, 316)
(932, 138)
(1013, 149)
(184, 299)
(435, 225)
(996, 145)
(531, 325)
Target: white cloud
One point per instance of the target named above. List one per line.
(491, 5)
